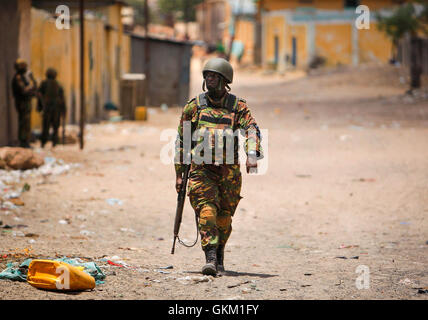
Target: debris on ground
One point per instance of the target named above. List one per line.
(20, 158)
(18, 272)
(342, 246)
(237, 284)
(365, 180)
(194, 279)
(113, 201)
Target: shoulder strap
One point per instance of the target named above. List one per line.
(201, 101)
(232, 102)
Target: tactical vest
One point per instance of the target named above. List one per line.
(215, 131)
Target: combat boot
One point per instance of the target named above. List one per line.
(210, 268)
(220, 258)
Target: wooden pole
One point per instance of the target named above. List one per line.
(82, 73)
(146, 52)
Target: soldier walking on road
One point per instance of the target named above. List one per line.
(52, 104)
(215, 183)
(23, 91)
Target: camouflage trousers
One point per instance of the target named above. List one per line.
(50, 119)
(214, 193)
(24, 122)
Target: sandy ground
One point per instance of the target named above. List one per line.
(347, 177)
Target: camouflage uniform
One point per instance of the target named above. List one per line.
(52, 102)
(214, 190)
(23, 92)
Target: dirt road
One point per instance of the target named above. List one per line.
(341, 212)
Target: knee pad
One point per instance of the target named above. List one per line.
(207, 215)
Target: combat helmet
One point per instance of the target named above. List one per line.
(221, 66)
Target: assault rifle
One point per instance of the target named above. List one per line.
(180, 205)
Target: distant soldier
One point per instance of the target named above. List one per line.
(52, 105)
(23, 91)
(215, 182)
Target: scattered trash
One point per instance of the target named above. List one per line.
(282, 289)
(86, 232)
(423, 290)
(342, 257)
(113, 201)
(303, 175)
(17, 202)
(164, 107)
(62, 221)
(339, 283)
(307, 274)
(26, 187)
(343, 137)
(406, 282)
(161, 271)
(238, 284)
(405, 223)
(305, 285)
(114, 264)
(365, 180)
(16, 272)
(356, 128)
(167, 267)
(348, 246)
(194, 279)
(31, 235)
(18, 234)
(43, 274)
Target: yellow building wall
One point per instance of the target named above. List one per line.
(273, 26)
(293, 4)
(245, 34)
(373, 45)
(107, 57)
(298, 32)
(322, 4)
(334, 42)
(50, 47)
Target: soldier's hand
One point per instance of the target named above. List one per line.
(251, 164)
(178, 183)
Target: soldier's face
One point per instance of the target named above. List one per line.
(212, 80)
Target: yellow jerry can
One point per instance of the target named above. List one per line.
(140, 113)
(58, 275)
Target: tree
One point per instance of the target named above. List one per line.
(407, 19)
(184, 10)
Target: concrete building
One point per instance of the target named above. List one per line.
(297, 32)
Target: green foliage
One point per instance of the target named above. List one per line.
(180, 9)
(402, 21)
(138, 6)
